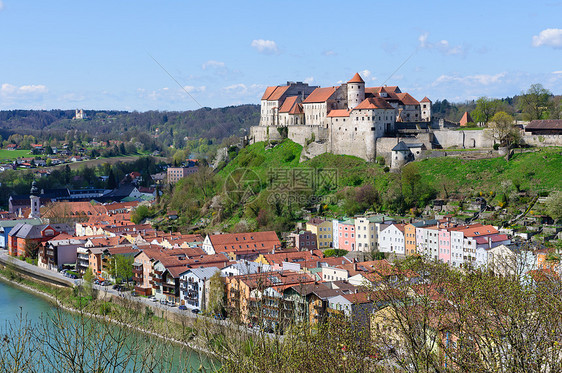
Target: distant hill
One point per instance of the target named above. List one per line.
(168, 127)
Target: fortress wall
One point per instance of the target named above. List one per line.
(300, 134)
(463, 139)
(264, 133)
(384, 147)
(543, 140)
(356, 139)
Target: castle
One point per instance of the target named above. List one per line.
(345, 119)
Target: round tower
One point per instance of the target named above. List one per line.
(355, 91)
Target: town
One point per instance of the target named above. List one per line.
(266, 282)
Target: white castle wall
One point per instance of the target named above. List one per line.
(463, 139)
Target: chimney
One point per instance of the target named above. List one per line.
(438, 224)
(489, 242)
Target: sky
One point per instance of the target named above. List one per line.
(182, 54)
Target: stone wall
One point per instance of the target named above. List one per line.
(463, 139)
(543, 140)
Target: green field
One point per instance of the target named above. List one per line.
(13, 154)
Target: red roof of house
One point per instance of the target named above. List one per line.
(425, 99)
(268, 92)
(297, 109)
(339, 113)
(278, 93)
(288, 104)
(320, 95)
(245, 241)
(407, 99)
(466, 118)
(356, 79)
(545, 124)
(373, 103)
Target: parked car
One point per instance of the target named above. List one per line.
(154, 299)
(182, 307)
(195, 310)
(219, 317)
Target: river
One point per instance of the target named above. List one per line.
(16, 302)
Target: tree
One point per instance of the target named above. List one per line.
(502, 129)
(485, 109)
(121, 267)
(217, 292)
(554, 206)
(535, 102)
(32, 249)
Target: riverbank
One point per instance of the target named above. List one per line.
(59, 297)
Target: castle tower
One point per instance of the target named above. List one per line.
(425, 106)
(35, 202)
(355, 91)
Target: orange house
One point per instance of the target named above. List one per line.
(23, 234)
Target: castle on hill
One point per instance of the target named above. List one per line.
(345, 119)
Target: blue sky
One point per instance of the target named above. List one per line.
(97, 54)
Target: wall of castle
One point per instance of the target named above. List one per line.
(300, 134)
(543, 140)
(264, 133)
(355, 138)
(463, 139)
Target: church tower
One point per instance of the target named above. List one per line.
(355, 91)
(35, 201)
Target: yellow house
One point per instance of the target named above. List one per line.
(323, 231)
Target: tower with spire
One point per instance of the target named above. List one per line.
(35, 201)
(355, 91)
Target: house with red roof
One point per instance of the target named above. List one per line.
(242, 245)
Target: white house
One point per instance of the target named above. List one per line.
(194, 287)
(391, 239)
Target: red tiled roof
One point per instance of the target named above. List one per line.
(407, 99)
(297, 109)
(278, 93)
(425, 99)
(545, 124)
(339, 113)
(388, 89)
(356, 79)
(268, 92)
(245, 241)
(320, 95)
(288, 104)
(373, 103)
(466, 118)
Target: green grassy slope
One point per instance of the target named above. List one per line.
(539, 171)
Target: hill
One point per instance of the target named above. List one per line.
(266, 187)
(163, 128)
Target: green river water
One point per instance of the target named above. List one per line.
(16, 302)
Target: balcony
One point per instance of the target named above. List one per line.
(137, 270)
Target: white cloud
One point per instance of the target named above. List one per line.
(367, 75)
(329, 53)
(213, 64)
(557, 72)
(551, 37)
(243, 91)
(192, 89)
(265, 46)
(10, 91)
(309, 80)
(479, 79)
(423, 39)
(442, 46)
(1, 6)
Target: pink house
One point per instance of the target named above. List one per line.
(346, 233)
(445, 246)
